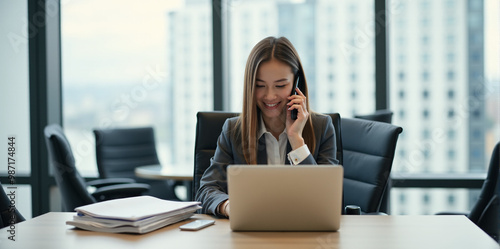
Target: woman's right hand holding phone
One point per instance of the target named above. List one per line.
(294, 128)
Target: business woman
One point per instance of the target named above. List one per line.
(265, 132)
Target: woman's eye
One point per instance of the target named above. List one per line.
(280, 86)
(259, 86)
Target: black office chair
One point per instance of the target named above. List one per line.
(119, 151)
(385, 116)
(368, 153)
(71, 184)
(484, 213)
(336, 120)
(208, 128)
(8, 213)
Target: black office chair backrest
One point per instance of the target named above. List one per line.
(119, 151)
(488, 188)
(367, 159)
(384, 116)
(208, 128)
(71, 184)
(8, 212)
(338, 135)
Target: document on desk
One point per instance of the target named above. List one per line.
(141, 214)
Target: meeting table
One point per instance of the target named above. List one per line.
(356, 231)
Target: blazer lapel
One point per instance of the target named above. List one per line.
(261, 151)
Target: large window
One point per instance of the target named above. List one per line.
(334, 39)
(14, 91)
(127, 63)
(444, 93)
(131, 63)
(14, 107)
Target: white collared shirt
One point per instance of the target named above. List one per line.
(276, 149)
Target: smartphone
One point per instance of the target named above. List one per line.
(197, 225)
(294, 92)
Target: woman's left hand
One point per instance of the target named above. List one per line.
(294, 128)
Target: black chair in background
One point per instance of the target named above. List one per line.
(119, 151)
(8, 214)
(71, 184)
(484, 213)
(368, 153)
(208, 128)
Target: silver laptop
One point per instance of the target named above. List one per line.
(285, 198)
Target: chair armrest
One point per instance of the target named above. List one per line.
(99, 183)
(356, 210)
(120, 191)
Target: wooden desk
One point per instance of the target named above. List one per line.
(372, 232)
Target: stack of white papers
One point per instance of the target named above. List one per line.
(140, 214)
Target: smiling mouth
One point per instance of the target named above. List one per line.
(271, 105)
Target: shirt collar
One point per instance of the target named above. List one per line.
(262, 129)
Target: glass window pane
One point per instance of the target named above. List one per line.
(14, 89)
(130, 63)
(451, 87)
(492, 74)
(459, 111)
(418, 201)
(20, 196)
(334, 39)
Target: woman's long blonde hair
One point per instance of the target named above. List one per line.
(269, 48)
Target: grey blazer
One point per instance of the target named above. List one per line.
(213, 184)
